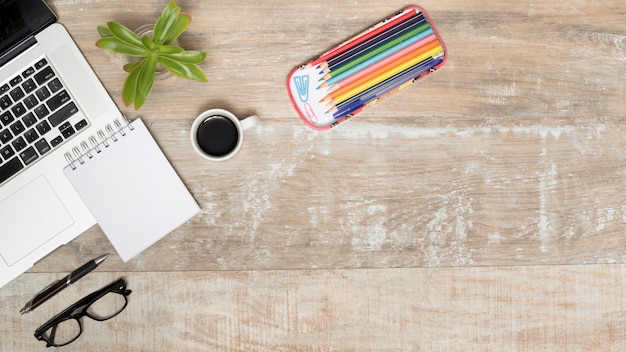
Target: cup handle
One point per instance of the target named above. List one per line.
(249, 122)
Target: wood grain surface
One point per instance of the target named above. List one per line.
(480, 209)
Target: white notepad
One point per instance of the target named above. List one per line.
(130, 187)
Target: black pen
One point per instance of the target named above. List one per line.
(59, 285)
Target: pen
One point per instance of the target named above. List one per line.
(59, 285)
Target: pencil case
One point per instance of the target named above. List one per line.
(366, 68)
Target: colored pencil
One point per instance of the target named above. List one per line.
(381, 48)
(390, 82)
(379, 60)
(399, 18)
(394, 85)
(385, 71)
(372, 42)
(342, 71)
(362, 85)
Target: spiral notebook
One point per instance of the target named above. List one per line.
(129, 186)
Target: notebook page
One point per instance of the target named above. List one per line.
(132, 190)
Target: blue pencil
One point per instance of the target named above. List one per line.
(385, 87)
(376, 41)
(412, 71)
(378, 57)
(350, 108)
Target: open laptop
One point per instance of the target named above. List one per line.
(50, 101)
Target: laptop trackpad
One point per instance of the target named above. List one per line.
(29, 218)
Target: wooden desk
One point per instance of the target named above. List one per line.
(481, 209)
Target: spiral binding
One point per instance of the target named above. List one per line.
(94, 144)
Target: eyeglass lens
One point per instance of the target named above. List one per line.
(105, 307)
(64, 332)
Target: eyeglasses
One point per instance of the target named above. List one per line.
(101, 305)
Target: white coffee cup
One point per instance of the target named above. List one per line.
(217, 134)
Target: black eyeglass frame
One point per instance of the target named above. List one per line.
(80, 309)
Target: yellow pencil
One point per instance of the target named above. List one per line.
(361, 86)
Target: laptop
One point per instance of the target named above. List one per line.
(50, 101)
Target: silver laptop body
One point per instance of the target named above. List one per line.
(50, 101)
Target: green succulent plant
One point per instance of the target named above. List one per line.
(152, 51)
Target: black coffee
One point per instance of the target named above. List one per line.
(217, 136)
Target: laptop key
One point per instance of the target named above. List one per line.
(42, 146)
(31, 135)
(18, 109)
(63, 114)
(6, 118)
(41, 111)
(29, 119)
(41, 63)
(30, 101)
(17, 127)
(43, 93)
(44, 75)
(10, 168)
(15, 80)
(29, 155)
(55, 85)
(5, 136)
(56, 101)
(29, 86)
(56, 141)
(5, 102)
(17, 94)
(68, 131)
(7, 152)
(43, 127)
(19, 143)
(27, 72)
(80, 124)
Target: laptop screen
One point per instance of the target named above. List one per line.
(20, 19)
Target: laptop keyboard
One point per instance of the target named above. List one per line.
(35, 111)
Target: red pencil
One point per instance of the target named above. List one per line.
(364, 36)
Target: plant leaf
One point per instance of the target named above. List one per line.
(118, 46)
(129, 67)
(104, 31)
(170, 49)
(148, 43)
(124, 34)
(145, 81)
(183, 70)
(179, 27)
(166, 22)
(130, 84)
(139, 82)
(189, 56)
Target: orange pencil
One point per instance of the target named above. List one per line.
(382, 70)
(422, 45)
(386, 72)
